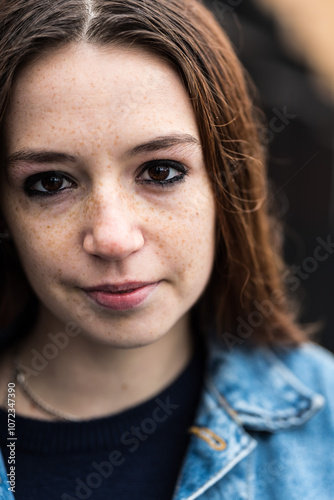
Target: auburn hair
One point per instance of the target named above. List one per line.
(246, 286)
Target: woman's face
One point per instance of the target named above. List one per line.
(106, 195)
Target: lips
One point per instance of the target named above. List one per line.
(116, 288)
(121, 296)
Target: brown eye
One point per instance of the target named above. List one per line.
(162, 172)
(159, 173)
(52, 183)
(47, 183)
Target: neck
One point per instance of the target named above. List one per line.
(89, 379)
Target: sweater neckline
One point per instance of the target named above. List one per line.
(173, 402)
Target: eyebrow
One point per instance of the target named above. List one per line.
(157, 144)
(31, 156)
(164, 142)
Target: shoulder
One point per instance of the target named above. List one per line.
(309, 363)
(317, 360)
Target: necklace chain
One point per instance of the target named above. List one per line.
(20, 377)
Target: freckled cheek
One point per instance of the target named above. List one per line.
(41, 243)
(187, 238)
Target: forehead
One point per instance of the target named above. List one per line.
(81, 87)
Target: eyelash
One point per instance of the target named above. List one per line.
(170, 164)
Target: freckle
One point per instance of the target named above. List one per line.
(124, 387)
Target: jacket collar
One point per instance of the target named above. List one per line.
(247, 389)
(258, 389)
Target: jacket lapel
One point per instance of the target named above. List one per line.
(218, 444)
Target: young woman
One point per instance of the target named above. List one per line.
(149, 349)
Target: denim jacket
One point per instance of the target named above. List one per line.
(264, 428)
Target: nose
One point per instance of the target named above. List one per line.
(113, 229)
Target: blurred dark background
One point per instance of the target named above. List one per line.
(299, 133)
